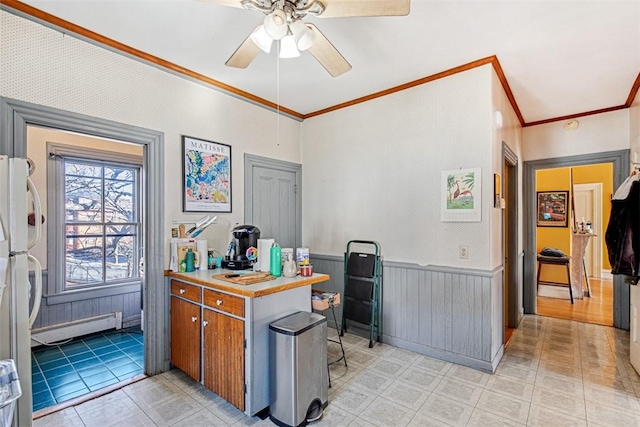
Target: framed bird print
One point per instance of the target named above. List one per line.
(461, 195)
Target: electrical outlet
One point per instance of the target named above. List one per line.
(464, 252)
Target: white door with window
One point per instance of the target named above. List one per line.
(588, 206)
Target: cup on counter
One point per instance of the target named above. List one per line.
(306, 270)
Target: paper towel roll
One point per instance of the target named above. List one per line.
(264, 248)
(202, 245)
(173, 264)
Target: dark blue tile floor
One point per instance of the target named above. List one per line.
(85, 364)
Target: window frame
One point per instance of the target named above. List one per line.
(57, 291)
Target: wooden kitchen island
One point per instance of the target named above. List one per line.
(220, 330)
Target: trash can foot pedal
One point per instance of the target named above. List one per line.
(315, 411)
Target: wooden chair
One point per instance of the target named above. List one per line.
(548, 260)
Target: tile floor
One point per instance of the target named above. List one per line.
(554, 373)
(85, 364)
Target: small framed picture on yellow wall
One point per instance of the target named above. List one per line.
(552, 209)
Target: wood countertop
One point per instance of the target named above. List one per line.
(205, 278)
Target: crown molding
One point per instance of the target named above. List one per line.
(91, 36)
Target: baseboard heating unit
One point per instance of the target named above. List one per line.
(76, 328)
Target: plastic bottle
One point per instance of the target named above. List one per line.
(276, 260)
(211, 263)
(189, 260)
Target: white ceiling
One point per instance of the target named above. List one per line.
(559, 57)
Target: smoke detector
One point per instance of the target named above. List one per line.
(571, 125)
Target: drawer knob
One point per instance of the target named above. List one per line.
(205, 323)
(219, 302)
(182, 291)
(194, 319)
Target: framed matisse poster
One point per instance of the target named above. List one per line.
(461, 195)
(206, 172)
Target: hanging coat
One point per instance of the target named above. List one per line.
(623, 233)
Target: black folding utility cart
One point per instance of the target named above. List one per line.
(363, 288)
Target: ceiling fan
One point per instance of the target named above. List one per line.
(284, 23)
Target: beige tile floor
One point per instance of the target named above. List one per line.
(554, 373)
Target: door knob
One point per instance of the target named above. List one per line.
(182, 291)
(205, 323)
(219, 302)
(194, 319)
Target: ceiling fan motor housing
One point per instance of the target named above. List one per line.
(284, 23)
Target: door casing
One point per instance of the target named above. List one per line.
(15, 117)
(621, 164)
(512, 284)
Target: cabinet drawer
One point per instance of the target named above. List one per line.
(184, 290)
(225, 302)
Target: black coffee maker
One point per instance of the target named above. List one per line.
(243, 248)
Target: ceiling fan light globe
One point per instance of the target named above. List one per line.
(304, 35)
(275, 24)
(288, 48)
(262, 39)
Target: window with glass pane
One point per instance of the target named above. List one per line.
(101, 223)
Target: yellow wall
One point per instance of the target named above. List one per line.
(554, 237)
(560, 237)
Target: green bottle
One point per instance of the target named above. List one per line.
(275, 263)
(189, 259)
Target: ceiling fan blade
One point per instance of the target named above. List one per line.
(345, 8)
(327, 54)
(244, 54)
(229, 3)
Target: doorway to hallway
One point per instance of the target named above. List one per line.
(619, 161)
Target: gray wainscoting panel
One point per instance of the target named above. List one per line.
(621, 302)
(128, 303)
(449, 313)
(496, 314)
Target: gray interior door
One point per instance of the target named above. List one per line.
(273, 201)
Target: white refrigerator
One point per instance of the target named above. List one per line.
(15, 316)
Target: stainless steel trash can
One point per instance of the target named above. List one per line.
(298, 376)
(10, 391)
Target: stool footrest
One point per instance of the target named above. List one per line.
(548, 283)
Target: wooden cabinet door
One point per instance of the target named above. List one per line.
(185, 337)
(224, 356)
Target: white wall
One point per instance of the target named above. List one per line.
(372, 171)
(597, 133)
(43, 66)
(511, 134)
(634, 127)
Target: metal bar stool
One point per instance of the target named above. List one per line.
(319, 305)
(550, 260)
